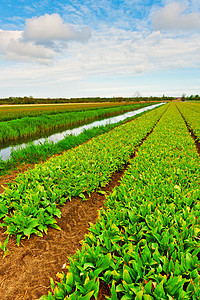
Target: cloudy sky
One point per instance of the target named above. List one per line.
(106, 48)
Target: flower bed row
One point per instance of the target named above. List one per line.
(30, 204)
(191, 106)
(29, 126)
(192, 117)
(10, 112)
(145, 244)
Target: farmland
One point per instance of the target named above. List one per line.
(145, 243)
(20, 126)
(11, 112)
(38, 151)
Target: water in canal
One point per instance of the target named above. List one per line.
(5, 152)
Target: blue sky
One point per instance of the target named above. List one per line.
(99, 48)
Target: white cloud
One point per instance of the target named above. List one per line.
(40, 40)
(107, 65)
(48, 28)
(13, 48)
(174, 17)
(18, 50)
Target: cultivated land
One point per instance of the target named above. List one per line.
(145, 243)
(20, 126)
(30, 128)
(10, 112)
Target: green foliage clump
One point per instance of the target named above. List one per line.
(146, 243)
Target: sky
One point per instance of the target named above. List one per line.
(104, 48)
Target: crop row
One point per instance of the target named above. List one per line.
(29, 126)
(8, 113)
(192, 106)
(192, 118)
(30, 203)
(34, 153)
(145, 244)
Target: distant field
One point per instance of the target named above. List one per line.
(10, 112)
(23, 124)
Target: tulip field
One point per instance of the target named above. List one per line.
(145, 244)
(21, 124)
(12, 112)
(30, 204)
(191, 114)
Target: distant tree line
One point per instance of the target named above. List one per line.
(32, 100)
(193, 98)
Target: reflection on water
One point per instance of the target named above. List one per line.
(5, 153)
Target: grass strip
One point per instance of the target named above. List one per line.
(146, 243)
(30, 203)
(30, 126)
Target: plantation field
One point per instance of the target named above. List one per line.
(30, 125)
(145, 243)
(191, 115)
(35, 153)
(11, 112)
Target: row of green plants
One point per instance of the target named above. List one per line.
(30, 126)
(191, 113)
(191, 106)
(10, 112)
(34, 153)
(30, 204)
(146, 244)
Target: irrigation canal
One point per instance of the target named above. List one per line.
(5, 152)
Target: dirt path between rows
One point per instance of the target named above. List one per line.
(25, 273)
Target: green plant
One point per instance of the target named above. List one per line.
(4, 247)
(145, 244)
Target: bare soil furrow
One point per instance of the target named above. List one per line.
(26, 272)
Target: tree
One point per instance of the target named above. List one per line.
(183, 97)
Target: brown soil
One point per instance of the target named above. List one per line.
(104, 291)
(26, 272)
(13, 174)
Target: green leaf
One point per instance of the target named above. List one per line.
(148, 287)
(126, 276)
(28, 231)
(139, 295)
(113, 291)
(83, 197)
(70, 279)
(147, 297)
(18, 239)
(88, 265)
(88, 296)
(52, 284)
(33, 223)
